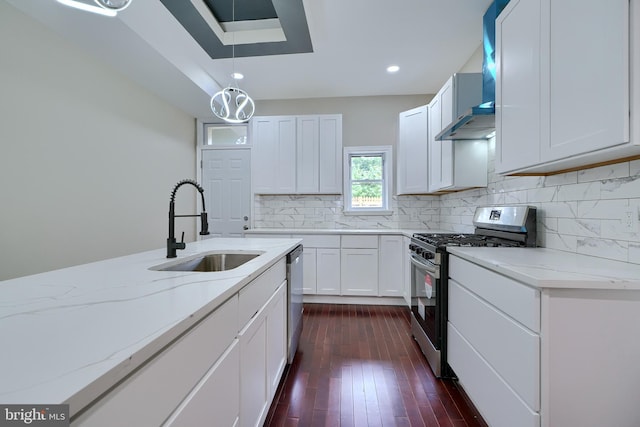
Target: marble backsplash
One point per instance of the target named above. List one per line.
(325, 211)
(578, 211)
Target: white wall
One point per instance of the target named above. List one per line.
(88, 159)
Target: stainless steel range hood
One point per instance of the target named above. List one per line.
(479, 122)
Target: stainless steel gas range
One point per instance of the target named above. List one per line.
(498, 226)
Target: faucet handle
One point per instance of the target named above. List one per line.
(181, 244)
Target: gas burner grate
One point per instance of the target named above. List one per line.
(456, 239)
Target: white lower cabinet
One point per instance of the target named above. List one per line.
(359, 272)
(209, 403)
(353, 264)
(276, 339)
(328, 271)
(309, 271)
(406, 267)
(262, 358)
(253, 378)
(359, 265)
(391, 279)
(491, 347)
(149, 396)
(222, 372)
(321, 263)
(545, 357)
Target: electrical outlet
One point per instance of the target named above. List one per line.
(630, 220)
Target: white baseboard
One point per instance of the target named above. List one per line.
(337, 299)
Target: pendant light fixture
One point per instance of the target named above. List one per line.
(101, 7)
(232, 104)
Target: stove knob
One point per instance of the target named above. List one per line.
(412, 247)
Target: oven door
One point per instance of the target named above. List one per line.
(425, 298)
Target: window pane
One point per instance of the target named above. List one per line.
(226, 135)
(366, 167)
(366, 195)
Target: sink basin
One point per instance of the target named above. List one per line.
(210, 262)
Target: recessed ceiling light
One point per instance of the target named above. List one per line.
(392, 69)
(237, 76)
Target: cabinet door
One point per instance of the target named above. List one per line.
(359, 272)
(518, 100)
(406, 266)
(413, 147)
(309, 268)
(276, 338)
(328, 272)
(216, 399)
(273, 156)
(391, 277)
(330, 167)
(253, 368)
(447, 105)
(435, 147)
(307, 157)
(588, 82)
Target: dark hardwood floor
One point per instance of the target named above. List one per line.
(358, 365)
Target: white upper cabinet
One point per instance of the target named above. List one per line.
(273, 154)
(455, 165)
(562, 89)
(297, 154)
(330, 154)
(413, 162)
(308, 148)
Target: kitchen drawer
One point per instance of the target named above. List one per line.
(512, 350)
(518, 301)
(319, 240)
(217, 395)
(150, 395)
(494, 399)
(257, 293)
(360, 242)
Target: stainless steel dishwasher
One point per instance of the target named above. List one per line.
(294, 286)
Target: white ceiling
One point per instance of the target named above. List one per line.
(353, 43)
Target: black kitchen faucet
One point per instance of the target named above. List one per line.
(172, 245)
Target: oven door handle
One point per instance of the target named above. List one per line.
(430, 268)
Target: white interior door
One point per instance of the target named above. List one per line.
(226, 179)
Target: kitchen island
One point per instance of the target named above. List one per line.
(545, 338)
(71, 335)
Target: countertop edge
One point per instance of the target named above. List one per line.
(545, 268)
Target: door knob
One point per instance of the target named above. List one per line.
(246, 218)
(245, 227)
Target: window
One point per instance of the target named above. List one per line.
(367, 184)
(225, 136)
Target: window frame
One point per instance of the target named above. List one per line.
(386, 152)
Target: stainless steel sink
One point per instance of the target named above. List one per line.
(210, 262)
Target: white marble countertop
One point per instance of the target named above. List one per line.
(299, 231)
(549, 268)
(70, 334)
